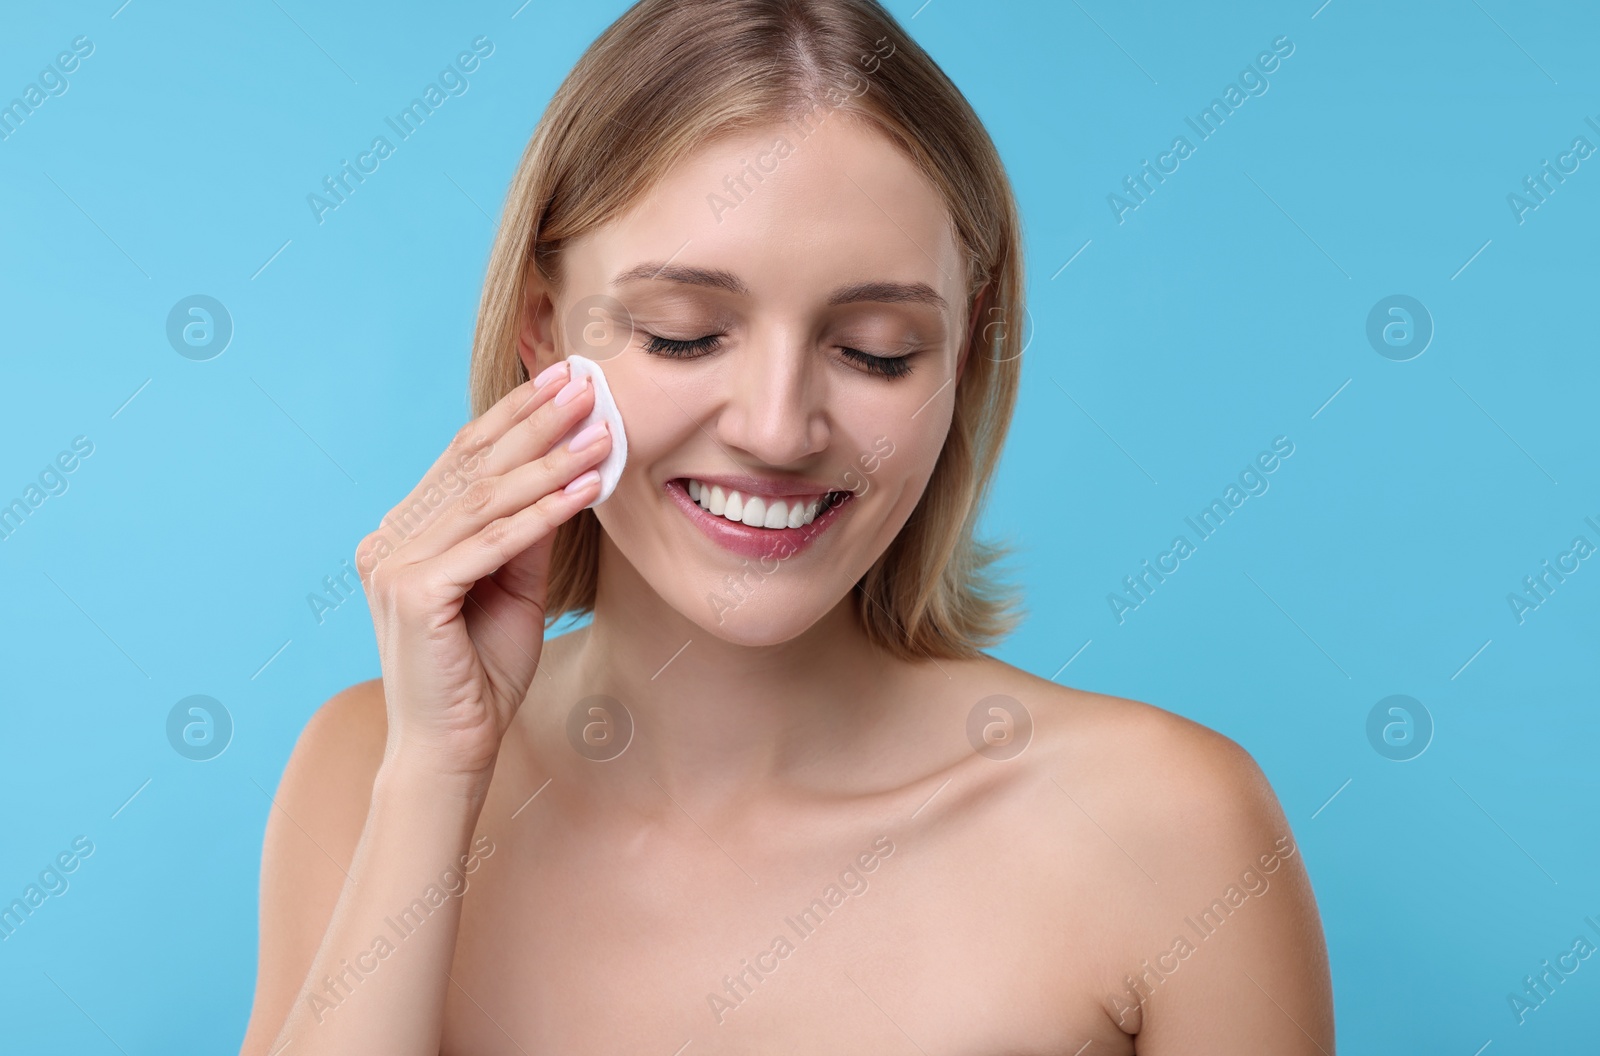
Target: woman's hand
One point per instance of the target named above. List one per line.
(456, 574)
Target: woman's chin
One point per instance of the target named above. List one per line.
(755, 620)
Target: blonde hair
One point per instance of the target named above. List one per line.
(667, 77)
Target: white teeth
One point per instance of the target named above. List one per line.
(754, 510)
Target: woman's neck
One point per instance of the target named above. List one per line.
(716, 722)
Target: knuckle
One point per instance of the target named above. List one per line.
(462, 439)
(369, 552)
(409, 593)
(379, 581)
(478, 496)
(555, 459)
(380, 598)
(475, 456)
(467, 445)
(496, 533)
(466, 464)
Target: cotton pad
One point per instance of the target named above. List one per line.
(605, 410)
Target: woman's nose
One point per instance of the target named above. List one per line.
(772, 407)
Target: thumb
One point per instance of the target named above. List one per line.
(505, 617)
(524, 580)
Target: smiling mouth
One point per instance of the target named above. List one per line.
(756, 511)
(755, 526)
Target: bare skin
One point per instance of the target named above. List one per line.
(960, 901)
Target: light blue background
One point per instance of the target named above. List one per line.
(1223, 312)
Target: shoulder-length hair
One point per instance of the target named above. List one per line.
(667, 77)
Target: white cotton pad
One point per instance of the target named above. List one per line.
(605, 410)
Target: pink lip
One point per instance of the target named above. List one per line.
(758, 543)
(770, 489)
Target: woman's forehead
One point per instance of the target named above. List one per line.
(778, 209)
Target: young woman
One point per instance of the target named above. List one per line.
(773, 797)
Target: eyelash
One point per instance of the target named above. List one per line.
(882, 366)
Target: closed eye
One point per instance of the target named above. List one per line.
(693, 348)
(686, 349)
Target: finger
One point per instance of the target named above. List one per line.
(488, 499)
(538, 415)
(536, 434)
(520, 402)
(445, 519)
(508, 626)
(458, 568)
(463, 461)
(484, 431)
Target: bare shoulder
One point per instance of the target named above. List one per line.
(323, 797)
(314, 823)
(1143, 773)
(1213, 936)
(1117, 747)
(336, 758)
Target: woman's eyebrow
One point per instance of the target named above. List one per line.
(717, 279)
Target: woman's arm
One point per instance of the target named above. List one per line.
(1224, 950)
(1258, 978)
(359, 962)
(354, 953)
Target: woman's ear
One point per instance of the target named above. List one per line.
(536, 332)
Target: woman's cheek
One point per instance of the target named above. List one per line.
(916, 448)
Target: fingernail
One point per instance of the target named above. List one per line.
(587, 436)
(570, 392)
(582, 481)
(548, 374)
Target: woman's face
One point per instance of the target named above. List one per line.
(783, 317)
